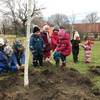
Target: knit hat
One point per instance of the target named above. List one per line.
(56, 28)
(17, 45)
(36, 29)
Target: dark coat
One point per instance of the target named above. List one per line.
(36, 45)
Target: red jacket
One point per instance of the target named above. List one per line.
(54, 40)
(64, 46)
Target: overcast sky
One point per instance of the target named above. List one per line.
(78, 7)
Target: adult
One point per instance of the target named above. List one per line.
(47, 41)
(75, 46)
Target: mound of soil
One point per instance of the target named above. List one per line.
(48, 85)
(95, 70)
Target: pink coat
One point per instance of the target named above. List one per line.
(54, 41)
(64, 46)
(87, 52)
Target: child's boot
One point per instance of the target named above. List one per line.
(63, 66)
(57, 63)
(35, 63)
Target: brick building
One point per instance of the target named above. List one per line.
(88, 29)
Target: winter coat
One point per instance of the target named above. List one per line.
(64, 46)
(20, 57)
(36, 45)
(4, 63)
(54, 40)
(75, 43)
(76, 40)
(47, 41)
(12, 63)
(87, 52)
(7, 63)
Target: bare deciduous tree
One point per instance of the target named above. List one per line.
(6, 25)
(91, 18)
(17, 10)
(38, 21)
(58, 19)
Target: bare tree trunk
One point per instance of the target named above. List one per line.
(26, 80)
(4, 29)
(24, 28)
(15, 28)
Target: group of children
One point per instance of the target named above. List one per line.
(12, 58)
(42, 47)
(59, 43)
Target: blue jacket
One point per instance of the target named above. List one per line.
(36, 45)
(4, 63)
(20, 57)
(12, 63)
(7, 63)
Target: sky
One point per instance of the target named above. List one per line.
(80, 8)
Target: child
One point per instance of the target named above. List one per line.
(12, 61)
(87, 50)
(47, 42)
(75, 46)
(19, 53)
(37, 47)
(63, 48)
(54, 38)
(4, 65)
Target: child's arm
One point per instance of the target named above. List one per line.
(82, 45)
(23, 58)
(15, 61)
(31, 45)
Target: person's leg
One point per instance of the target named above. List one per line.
(4, 69)
(87, 56)
(57, 62)
(63, 59)
(56, 57)
(41, 60)
(74, 54)
(77, 53)
(18, 60)
(47, 56)
(35, 61)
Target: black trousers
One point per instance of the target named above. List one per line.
(37, 60)
(75, 51)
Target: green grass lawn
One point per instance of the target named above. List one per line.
(82, 67)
